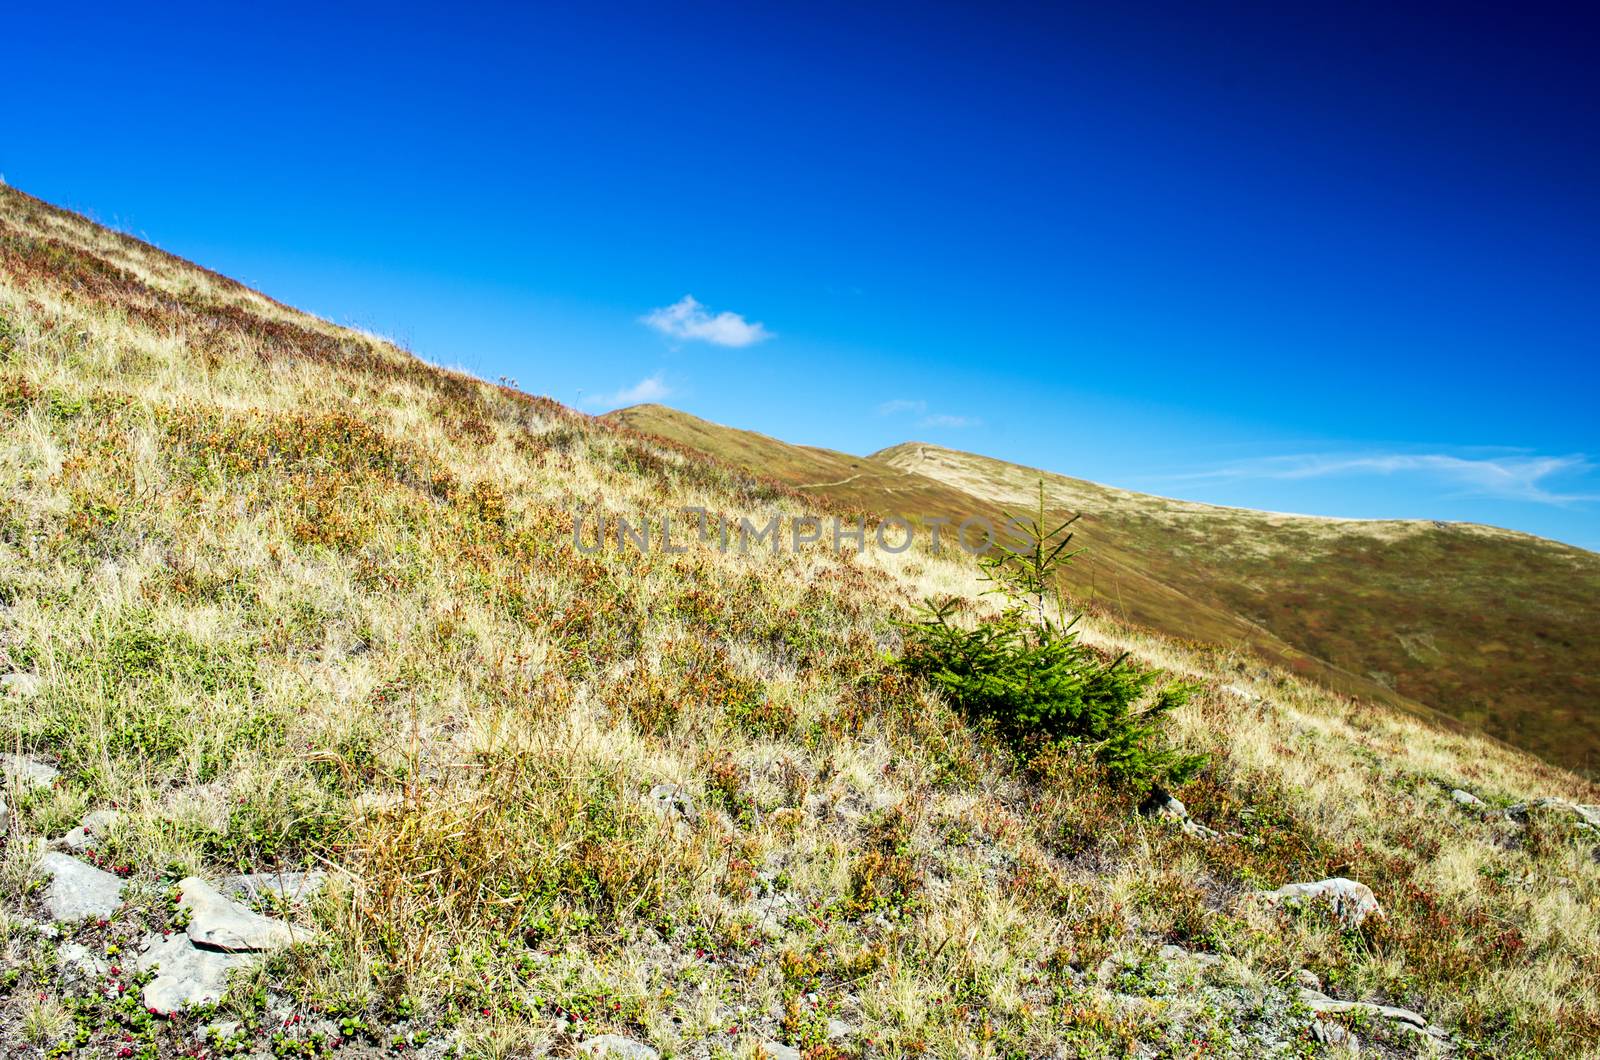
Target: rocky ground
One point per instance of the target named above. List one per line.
(144, 974)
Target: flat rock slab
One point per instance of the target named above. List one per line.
(1352, 902)
(219, 924)
(19, 685)
(1319, 1002)
(26, 772)
(779, 1051)
(78, 890)
(186, 975)
(1588, 815)
(1171, 952)
(604, 1045)
(289, 887)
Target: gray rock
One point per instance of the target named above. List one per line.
(26, 772)
(1438, 1034)
(771, 911)
(186, 975)
(856, 805)
(1174, 952)
(25, 927)
(669, 799)
(77, 890)
(101, 822)
(779, 1051)
(1198, 830)
(1166, 806)
(1336, 1035)
(288, 887)
(1352, 902)
(95, 827)
(219, 924)
(19, 685)
(78, 962)
(1321, 1003)
(1466, 798)
(1306, 979)
(840, 1029)
(617, 1045)
(219, 1032)
(1587, 815)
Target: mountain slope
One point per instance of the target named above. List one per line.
(1489, 627)
(1493, 627)
(277, 596)
(872, 485)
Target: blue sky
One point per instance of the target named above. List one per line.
(1341, 260)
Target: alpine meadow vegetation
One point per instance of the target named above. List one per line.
(1448, 620)
(296, 651)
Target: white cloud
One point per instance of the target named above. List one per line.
(919, 407)
(942, 419)
(1516, 478)
(651, 388)
(688, 319)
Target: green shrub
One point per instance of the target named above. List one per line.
(1025, 674)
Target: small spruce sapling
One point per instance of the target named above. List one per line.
(1026, 674)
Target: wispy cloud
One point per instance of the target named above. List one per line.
(919, 408)
(943, 419)
(688, 319)
(1516, 478)
(651, 388)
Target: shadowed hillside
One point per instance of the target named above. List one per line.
(320, 736)
(1490, 627)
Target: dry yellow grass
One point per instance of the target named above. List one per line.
(295, 599)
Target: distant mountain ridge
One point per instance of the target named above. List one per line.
(1491, 628)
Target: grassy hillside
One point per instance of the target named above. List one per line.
(1489, 627)
(872, 485)
(275, 596)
